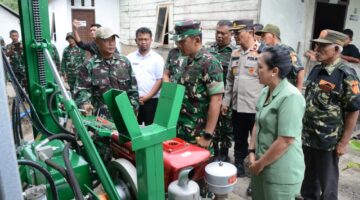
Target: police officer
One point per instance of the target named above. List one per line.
(332, 108)
(105, 71)
(270, 35)
(221, 49)
(201, 74)
(73, 57)
(242, 89)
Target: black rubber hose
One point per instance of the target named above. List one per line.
(47, 175)
(49, 104)
(71, 174)
(18, 119)
(22, 94)
(62, 171)
(14, 125)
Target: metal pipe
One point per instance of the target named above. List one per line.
(85, 138)
(56, 75)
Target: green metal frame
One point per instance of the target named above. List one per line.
(147, 141)
(38, 93)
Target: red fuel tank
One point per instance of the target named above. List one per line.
(177, 153)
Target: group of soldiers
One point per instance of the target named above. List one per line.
(222, 88)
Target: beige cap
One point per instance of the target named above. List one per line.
(105, 32)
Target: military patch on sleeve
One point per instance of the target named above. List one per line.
(293, 57)
(234, 71)
(326, 86)
(355, 87)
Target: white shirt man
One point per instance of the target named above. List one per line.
(148, 67)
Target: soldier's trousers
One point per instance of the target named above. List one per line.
(243, 124)
(321, 175)
(224, 131)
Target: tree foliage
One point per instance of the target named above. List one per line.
(12, 4)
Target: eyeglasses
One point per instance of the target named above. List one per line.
(321, 45)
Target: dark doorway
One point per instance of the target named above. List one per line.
(329, 16)
(86, 18)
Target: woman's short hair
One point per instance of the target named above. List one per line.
(278, 56)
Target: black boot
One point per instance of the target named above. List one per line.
(240, 169)
(249, 190)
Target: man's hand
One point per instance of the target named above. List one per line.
(143, 99)
(256, 167)
(250, 159)
(75, 24)
(311, 55)
(202, 142)
(341, 148)
(88, 108)
(224, 109)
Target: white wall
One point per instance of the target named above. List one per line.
(290, 17)
(63, 22)
(106, 14)
(137, 13)
(354, 11)
(8, 22)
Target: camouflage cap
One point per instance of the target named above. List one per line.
(70, 34)
(269, 28)
(105, 33)
(186, 29)
(331, 37)
(241, 24)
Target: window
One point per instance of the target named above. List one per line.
(162, 25)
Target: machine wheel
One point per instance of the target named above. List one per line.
(123, 174)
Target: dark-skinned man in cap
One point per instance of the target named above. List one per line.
(332, 108)
(73, 57)
(202, 75)
(270, 35)
(105, 71)
(222, 49)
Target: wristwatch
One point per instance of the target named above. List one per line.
(251, 151)
(207, 136)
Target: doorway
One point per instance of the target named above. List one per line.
(329, 16)
(86, 18)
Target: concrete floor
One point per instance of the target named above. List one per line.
(349, 183)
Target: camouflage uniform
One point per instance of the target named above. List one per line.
(202, 77)
(297, 66)
(224, 129)
(72, 59)
(330, 92)
(98, 75)
(16, 57)
(171, 61)
(55, 56)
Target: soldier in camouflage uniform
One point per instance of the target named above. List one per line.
(270, 35)
(221, 49)
(103, 72)
(14, 51)
(171, 62)
(332, 106)
(201, 74)
(73, 57)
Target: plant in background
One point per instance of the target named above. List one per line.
(13, 4)
(354, 144)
